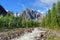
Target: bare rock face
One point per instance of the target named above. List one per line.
(32, 14)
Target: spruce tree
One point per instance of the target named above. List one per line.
(53, 16)
(48, 18)
(58, 11)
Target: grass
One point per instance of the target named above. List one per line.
(8, 29)
(49, 28)
(53, 37)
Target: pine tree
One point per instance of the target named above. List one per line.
(58, 11)
(53, 16)
(48, 18)
(43, 22)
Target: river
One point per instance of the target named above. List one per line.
(34, 35)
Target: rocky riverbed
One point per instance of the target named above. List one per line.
(36, 34)
(24, 34)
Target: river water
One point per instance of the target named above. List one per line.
(30, 36)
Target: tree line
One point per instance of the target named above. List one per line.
(16, 22)
(52, 18)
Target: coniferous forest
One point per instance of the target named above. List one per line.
(16, 22)
(52, 18)
(11, 22)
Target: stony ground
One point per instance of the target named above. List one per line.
(52, 34)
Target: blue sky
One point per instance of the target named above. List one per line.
(21, 5)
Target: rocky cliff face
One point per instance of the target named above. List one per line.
(2, 11)
(32, 14)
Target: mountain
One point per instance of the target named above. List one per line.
(2, 11)
(32, 14)
(5, 12)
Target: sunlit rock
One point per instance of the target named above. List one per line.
(36, 34)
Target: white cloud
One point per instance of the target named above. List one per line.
(44, 4)
(40, 3)
(22, 5)
(49, 1)
(7, 10)
(40, 11)
(17, 14)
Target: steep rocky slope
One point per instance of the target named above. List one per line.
(32, 14)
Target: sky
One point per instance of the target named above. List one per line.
(17, 6)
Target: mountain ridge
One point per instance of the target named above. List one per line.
(32, 14)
